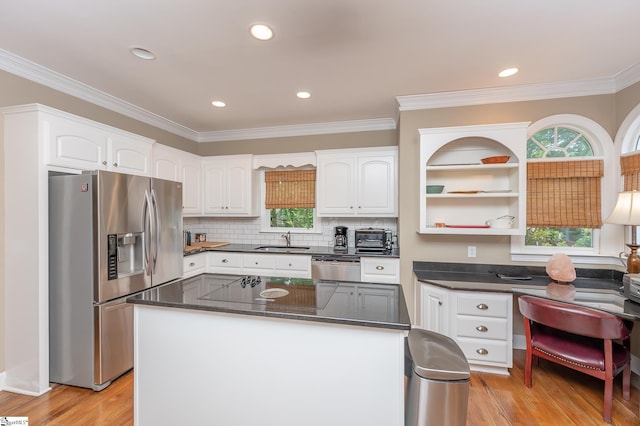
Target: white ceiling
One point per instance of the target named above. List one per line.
(354, 56)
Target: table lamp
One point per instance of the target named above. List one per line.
(627, 212)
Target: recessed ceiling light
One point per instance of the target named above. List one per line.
(261, 32)
(508, 72)
(303, 95)
(142, 53)
(218, 104)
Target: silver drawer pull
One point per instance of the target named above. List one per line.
(192, 264)
(225, 260)
(482, 306)
(482, 328)
(380, 267)
(482, 351)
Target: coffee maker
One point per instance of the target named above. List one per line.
(340, 239)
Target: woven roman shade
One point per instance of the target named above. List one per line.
(290, 189)
(630, 170)
(564, 194)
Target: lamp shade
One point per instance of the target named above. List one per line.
(626, 210)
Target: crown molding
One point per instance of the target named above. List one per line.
(30, 70)
(494, 95)
(21, 67)
(299, 130)
(628, 77)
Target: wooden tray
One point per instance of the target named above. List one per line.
(208, 244)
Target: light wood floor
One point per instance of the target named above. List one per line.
(559, 397)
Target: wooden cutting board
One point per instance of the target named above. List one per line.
(208, 244)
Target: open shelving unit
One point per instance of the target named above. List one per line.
(474, 193)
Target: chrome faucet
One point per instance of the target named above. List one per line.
(287, 238)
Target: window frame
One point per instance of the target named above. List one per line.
(265, 218)
(602, 147)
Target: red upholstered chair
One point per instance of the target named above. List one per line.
(588, 340)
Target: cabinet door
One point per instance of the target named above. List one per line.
(128, 155)
(434, 309)
(228, 186)
(375, 303)
(215, 191)
(74, 145)
(191, 166)
(166, 163)
(376, 186)
(336, 186)
(238, 187)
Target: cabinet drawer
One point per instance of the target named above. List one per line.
(475, 304)
(482, 327)
(258, 261)
(293, 263)
(194, 264)
(220, 261)
(380, 269)
(491, 351)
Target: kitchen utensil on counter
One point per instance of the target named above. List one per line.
(341, 239)
(505, 221)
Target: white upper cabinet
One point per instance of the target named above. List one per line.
(230, 186)
(180, 166)
(191, 172)
(77, 143)
(357, 182)
(474, 194)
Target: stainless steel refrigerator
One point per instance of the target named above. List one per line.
(110, 235)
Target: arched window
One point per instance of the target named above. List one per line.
(569, 165)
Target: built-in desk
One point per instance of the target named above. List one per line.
(605, 300)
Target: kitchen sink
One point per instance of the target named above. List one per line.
(281, 248)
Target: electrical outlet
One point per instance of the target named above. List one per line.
(471, 251)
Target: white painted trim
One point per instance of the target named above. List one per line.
(30, 70)
(531, 92)
(299, 130)
(272, 161)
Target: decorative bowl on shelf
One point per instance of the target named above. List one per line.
(434, 189)
(498, 159)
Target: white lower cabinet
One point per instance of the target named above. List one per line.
(273, 265)
(380, 270)
(194, 264)
(480, 322)
(294, 266)
(371, 301)
(223, 262)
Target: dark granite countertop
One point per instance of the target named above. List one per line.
(595, 288)
(465, 276)
(312, 250)
(307, 300)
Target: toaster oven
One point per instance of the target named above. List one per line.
(373, 240)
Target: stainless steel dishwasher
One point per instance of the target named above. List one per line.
(335, 267)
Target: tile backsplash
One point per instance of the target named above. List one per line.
(248, 230)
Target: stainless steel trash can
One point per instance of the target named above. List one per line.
(439, 382)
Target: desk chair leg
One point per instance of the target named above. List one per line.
(626, 382)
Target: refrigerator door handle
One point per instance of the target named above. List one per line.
(155, 230)
(146, 220)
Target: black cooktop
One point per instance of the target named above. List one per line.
(272, 292)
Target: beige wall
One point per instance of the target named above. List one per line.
(300, 143)
(490, 249)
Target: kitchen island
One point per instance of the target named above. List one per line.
(234, 350)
